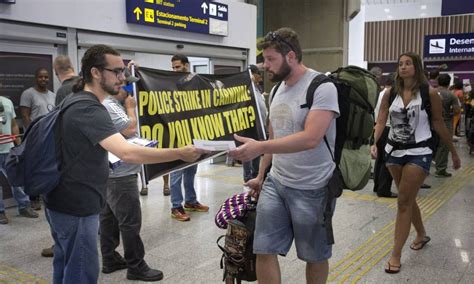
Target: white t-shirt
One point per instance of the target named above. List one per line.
(409, 125)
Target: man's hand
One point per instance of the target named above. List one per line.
(373, 151)
(255, 185)
(249, 150)
(190, 153)
(456, 161)
(130, 103)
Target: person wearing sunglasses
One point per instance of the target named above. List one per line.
(292, 199)
(87, 135)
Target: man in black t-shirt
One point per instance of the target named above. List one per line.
(87, 131)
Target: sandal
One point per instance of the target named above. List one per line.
(389, 269)
(421, 244)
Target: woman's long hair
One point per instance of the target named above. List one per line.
(420, 78)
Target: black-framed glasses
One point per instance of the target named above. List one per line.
(116, 71)
(273, 36)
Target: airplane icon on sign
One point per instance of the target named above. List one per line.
(436, 45)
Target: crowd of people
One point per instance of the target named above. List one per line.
(288, 173)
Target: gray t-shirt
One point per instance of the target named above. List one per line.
(310, 169)
(121, 121)
(39, 103)
(449, 100)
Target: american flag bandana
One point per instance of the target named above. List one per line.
(8, 138)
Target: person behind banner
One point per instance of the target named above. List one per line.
(250, 168)
(292, 200)
(180, 63)
(9, 128)
(88, 132)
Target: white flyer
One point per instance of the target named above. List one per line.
(222, 145)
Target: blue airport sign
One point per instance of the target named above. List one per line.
(198, 16)
(449, 45)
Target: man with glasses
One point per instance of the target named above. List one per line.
(292, 200)
(87, 134)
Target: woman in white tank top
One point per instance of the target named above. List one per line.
(411, 106)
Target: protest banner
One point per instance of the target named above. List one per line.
(174, 108)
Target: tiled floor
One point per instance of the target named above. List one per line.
(187, 252)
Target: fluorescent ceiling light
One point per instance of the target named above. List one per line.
(423, 7)
(387, 10)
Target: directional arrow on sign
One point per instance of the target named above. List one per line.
(137, 13)
(204, 7)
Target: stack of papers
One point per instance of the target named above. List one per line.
(115, 161)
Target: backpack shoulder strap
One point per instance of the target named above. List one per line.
(273, 92)
(315, 83)
(392, 96)
(425, 100)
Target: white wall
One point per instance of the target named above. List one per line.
(409, 10)
(109, 16)
(356, 40)
(385, 12)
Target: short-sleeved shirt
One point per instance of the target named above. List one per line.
(7, 114)
(121, 121)
(65, 89)
(81, 190)
(309, 169)
(39, 103)
(449, 100)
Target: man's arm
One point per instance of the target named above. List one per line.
(25, 115)
(134, 154)
(456, 105)
(316, 124)
(130, 107)
(15, 131)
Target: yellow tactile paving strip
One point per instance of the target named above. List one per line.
(360, 261)
(11, 275)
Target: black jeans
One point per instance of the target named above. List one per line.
(122, 216)
(382, 177)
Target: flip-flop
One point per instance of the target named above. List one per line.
(420, 245)
(389, 270)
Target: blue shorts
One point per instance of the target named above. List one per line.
(422, 161)
(284, 214)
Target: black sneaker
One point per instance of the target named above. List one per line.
(443, 174)
(424, 185)
(147, 274)
(118, 263)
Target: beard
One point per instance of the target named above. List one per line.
(108, 88)
(282, 73)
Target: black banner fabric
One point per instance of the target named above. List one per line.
(175, 108)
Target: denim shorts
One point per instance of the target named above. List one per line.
(284, 214)
(422, 161)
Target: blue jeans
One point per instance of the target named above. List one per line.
(76, 259)
(21, 198)
(187, 177)
(285, 214)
